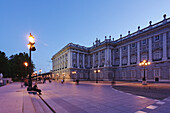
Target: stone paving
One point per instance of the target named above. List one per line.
(70, 98)
(14, 99)
(84, 98)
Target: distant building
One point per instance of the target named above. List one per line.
(119, 58)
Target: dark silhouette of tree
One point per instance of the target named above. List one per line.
(4, 64)
(14, 66)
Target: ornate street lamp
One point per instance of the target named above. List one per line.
(31, 48)
(40, 71)
(96, 71)
(144, 63)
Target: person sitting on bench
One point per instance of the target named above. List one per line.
(35, 88)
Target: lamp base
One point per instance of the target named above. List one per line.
(29, 88)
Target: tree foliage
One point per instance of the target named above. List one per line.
(14, 65)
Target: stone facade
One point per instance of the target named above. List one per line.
(119, 58)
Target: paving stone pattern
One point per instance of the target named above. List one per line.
(71, 98)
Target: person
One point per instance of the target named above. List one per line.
(77, 81)
(49, 80)
(25, 82)
(62, 81)
(44, 80)
(35, 88)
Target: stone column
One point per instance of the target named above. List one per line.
(78, 60)
(99, 59)
(138, 52)
(120, 56)
(88, 60)
(150, 49)
(93, 60)
(69, 57)
(64, 61)
(164, 47)
(105, 56)
(109, 56)
(113, 57)
(128, 63)
(83, 61)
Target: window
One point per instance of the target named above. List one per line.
(123, 75)
(157, 55)
(133, 74)
(133, 45)
(143, 42)
(156, 38)
(168, 52)
(124, 60)
(133, 59)
(124, 48)
(117, 50)
(144, 57)
(157, 74)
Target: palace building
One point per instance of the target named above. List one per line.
(118, 59)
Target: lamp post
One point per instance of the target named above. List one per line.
(31, 48)
(144, 63)
(96, 71)
(40, 74)
(36, 74)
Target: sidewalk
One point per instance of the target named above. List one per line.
(88, 97)
(14, 99)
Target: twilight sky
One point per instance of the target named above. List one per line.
(55, 23)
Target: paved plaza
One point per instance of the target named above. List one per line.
(88, 97)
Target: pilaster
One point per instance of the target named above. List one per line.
(120, 56)
(150, 49)
(164, 47)
(128, 63)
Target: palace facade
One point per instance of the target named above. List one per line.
(119, 59)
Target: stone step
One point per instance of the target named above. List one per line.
(27, 104)
(56, 108)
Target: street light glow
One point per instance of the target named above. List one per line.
(26, 64)
(40, 70)
(74, 72)
(31, 39)
(144, 63)
(29, 46)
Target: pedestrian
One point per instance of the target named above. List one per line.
(25, 82)
(62, 81)
(49, 80)
(44, 80)
(35, 88)
(77, 81)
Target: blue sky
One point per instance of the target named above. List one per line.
(55, 23)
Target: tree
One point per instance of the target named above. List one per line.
(14, 66)
(4, 64)
(17, 67)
